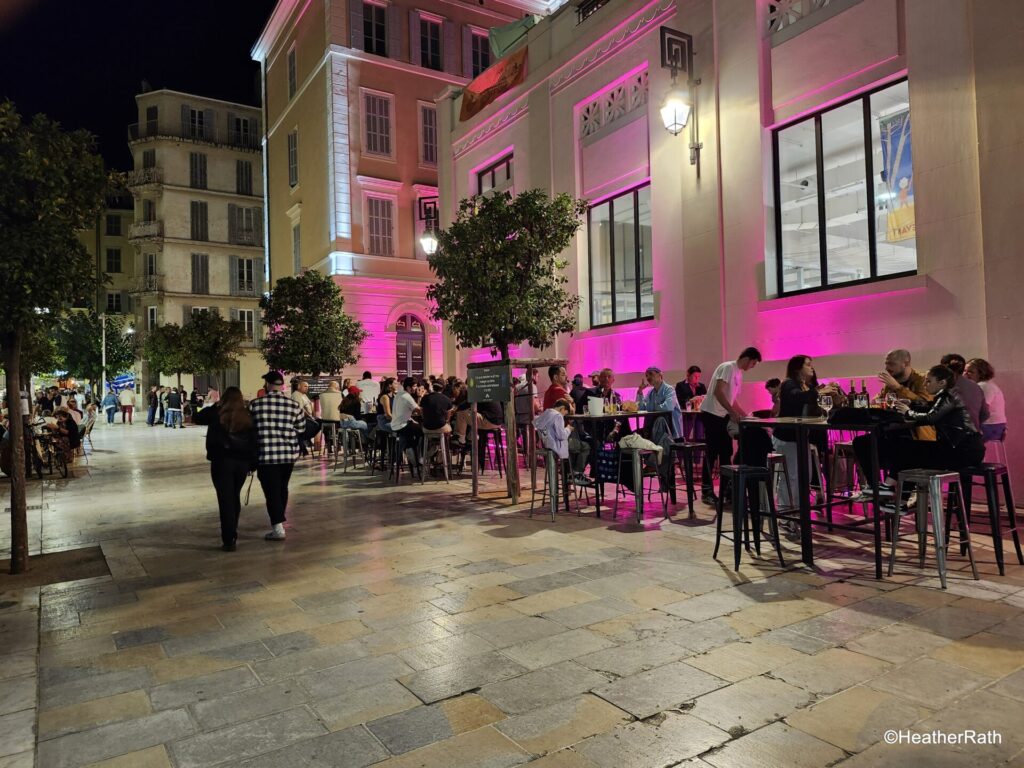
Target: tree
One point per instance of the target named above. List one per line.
(39, 352)
(499, 278)
(52, 185)
(165, 349)
(308, 330)
(79, 337)
(212, 343)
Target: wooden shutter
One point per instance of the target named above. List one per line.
(467, 52)
(208, 131)
(232, 222)
(414, 38)
(186, 314)
(257, 276)
(234, 314)
(448, 53)
(395, 32)
(233, 274)
(185, 112)
(355, 23)
(126, 302)
(231, 128)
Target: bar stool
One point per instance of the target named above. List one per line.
(438, 438)
(330, 435)
(351, 439)
(933, 484)
(683, 454)
(636, 457)
(990, 475)
(556, 482)
(499, 449)
(749, 485)
(400, 446)
(780, 472)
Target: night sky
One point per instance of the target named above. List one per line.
(83, 61)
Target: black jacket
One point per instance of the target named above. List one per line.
(685, 392)
(952, 421)
(220, 444)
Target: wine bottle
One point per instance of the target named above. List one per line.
(851, 398)
(865, 399)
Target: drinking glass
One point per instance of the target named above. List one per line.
(890, 400)
(825, 403)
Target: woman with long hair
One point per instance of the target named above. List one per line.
(231, 450)
(982, 373)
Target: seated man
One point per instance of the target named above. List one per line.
(662, 397)
(901, 380)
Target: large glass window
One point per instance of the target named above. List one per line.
(844, 195)
(497, 176)
(621, 282)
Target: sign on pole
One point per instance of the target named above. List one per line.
(490, 384)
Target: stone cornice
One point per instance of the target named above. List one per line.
(495, 124)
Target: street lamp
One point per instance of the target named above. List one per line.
(676, 55)
(428, 214)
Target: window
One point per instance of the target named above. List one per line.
(380, 222)
(428, 135)
(375, 29)
(430, 43)
(410, 342)
(200, 273)
(149, 158)
(296, 249)
(197, 170)
(113, 260)
(243, 177)
(495, 177)
(150, 265)
(113, 224)
(247, 317)
(242, 132)
(246, 275)
(199, 220)
(378, 123)
(197, 124)
(480, 49)
(113, 302)
(292, 72)
(150, 318)
(844, 194)
(245, 225)
(152, 121)
(293, 159)
(619, 237)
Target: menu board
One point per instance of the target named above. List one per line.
(489, 384)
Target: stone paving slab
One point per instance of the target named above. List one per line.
(642, 745)
(667, 687)
(541, 687)
(246, 739)
(112, 740)
(463, 675)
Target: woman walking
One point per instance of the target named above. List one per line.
(231, 450)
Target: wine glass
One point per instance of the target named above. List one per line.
(825, 403)
(890, 400)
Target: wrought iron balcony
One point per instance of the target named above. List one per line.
(588, 8)
(245, 237)
(145, 176)
(148, 284)
(146, 229)
(205, 133)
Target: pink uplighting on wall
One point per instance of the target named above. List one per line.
(821, 106)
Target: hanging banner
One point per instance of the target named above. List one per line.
(492, 82)
(898, 176)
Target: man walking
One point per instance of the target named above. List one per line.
(127, 400)
(719, 407)
(278, 420)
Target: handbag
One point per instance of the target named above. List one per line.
(606, 463)
(310, 430)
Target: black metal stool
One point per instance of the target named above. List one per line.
(990, 474)
(747, 484)
(683, 454)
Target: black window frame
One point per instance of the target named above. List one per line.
(865, 99)
(111, 228)
(293, 159)
(429, 58)
(480, 51)
(375, 29)
(505, 160)
(113, 259)
(633, 193)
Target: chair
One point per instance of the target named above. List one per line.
(749, 486)
(636, 457)
(438, 438)
(350, 445)
(933, 484)
(683, 454)
(991, 476)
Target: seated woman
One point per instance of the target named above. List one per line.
(958, 442)
(351, 411)
(978, 370)
(798, 397)
(387, 391)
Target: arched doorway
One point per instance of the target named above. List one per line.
(410, 341)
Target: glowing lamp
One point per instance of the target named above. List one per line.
(428, 241)
(675, 110)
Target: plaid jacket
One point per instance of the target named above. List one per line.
(278, 420)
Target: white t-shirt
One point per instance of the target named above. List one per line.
(127, 397)
(995, 401)
(304, 402)
(732, 375)
(369, 391)
(329, 404)
(401, 410)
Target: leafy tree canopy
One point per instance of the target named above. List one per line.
(308, 330)
(213, 343)
(39, 351)
(165, 350)
(499, 278)
(79, 337)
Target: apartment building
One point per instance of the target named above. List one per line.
(197, 234)
(108, 244)
(351, 150)
(836, 180)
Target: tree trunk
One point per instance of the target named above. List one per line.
(19, 520)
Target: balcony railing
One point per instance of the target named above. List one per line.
(245, 288)
(245, 237)
(210, 134)
(144, 229)
(587, 9)
(144, 176)
(148, 284)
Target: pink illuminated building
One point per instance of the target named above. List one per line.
(351, 151)
(796, 210)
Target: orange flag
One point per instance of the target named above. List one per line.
(492, 82)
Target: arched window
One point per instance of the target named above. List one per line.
(410, 341)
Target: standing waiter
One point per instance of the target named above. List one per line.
(278, 420)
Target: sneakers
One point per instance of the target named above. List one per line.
(709, 498)
(229, 547)
(277, 534)
(581, 479)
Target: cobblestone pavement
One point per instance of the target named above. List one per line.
(412, 626)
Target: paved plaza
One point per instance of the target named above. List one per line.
(413, 626)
